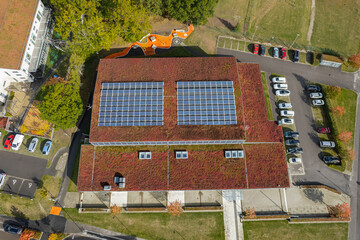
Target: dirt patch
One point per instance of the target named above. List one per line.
(60, 166)
(164, 26)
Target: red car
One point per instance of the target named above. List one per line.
(323, 130)
(9, 141)
(283, 53)
(256, 49)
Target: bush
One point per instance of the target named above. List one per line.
(332, 91)
(250, 213)
(345, 136)
(175, 208)
(340, 210)
(354, 60)
(338, 111)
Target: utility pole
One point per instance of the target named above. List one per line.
(254, 33)
(297, 35)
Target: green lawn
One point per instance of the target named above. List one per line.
(337, 26)
(157, 225)
(277, 230)
(267, 97)
(347, 100)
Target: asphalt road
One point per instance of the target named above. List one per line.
(8, 236)
(316, 171)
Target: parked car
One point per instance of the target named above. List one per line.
(291, 134)
(34, 142)
(323, 130)
(287, 121)
(9, 141)
(295, 150)
(256, 49)
(316, 95)
(331, 160)
(292, 142)
(276, 52)
(282, 93)
(296, 56)
(47, 147)
(287, 113)
(283, 86)
(283, 53)
(327, 144)
(295, 160)
(2, 179)
(13, 229)
(279, 80)
(285, 105)
(318, 102)
(313, 88)
(19, 138)
(262, 50)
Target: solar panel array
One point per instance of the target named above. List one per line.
(206, 103)
(131, 104)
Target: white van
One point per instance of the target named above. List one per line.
(17, 142)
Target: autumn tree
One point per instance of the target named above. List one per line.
(338, 111)
(250, 213)
(60, 104)
(332, 91)
(175, 208)
(345, 136)
(27, 234)
(56, 236)
(354, 60)
(114, 209)
(340, 210)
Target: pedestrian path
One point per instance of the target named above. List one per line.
(232, 210)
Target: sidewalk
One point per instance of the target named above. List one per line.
(232, 210)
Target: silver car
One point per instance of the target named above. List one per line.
(34, 142)
(316, 95)
(276, 52)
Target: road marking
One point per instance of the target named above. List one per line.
(30, 184)
(14, 181)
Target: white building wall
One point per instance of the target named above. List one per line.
(32, 37)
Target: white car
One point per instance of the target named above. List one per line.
(285, 105)
(287, 121)
(281, 86)
(2, 179)
(287, 113)
(318, 102)
(282, 93)
(279, 80)
(295, 160)
(316, 95)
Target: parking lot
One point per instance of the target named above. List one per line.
(23, 173)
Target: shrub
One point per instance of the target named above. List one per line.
(354, 60)
(345, 136)
(115, 210)
(250, 213)
(338, 111)
(56, 236)
(340, 210)
(27, 234)
(175, 208)
(332, 91)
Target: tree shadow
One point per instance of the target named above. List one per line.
(314, 195)
(226, 24)
(17, 213)
(310, 57)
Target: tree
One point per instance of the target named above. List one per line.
(175, 208)
(250, 213)
(338, 111)
(332, 91)
(114, 209)
(354, 60)
(155, 6)
(90, 26)
(27, 234)
(345, 136)
(56, 236)
(61, 104)
(195, 11)
(340, 210)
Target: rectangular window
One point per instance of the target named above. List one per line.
(181, 154)
(144, 155)
(23, 78)
(234, 153)
(15, 79)
(7, 73)
(33, 38)
(15, 71)
(4, 84)
(27, 58)
(38, 17)
(18, 75)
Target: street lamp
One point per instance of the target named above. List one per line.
(297, 35)
(254, 33)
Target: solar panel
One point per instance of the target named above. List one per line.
(131, 104)
(206, 103)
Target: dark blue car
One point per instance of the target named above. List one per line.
(13, 229)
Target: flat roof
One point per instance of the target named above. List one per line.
(170, 71)
(206, 168)
(16, 18)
